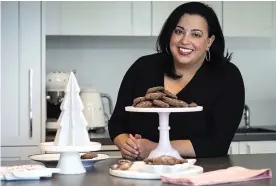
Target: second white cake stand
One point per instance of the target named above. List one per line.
(164, 146)
(69, 161)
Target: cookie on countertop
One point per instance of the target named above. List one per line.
(89, 155)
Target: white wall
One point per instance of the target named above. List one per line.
(101, 62)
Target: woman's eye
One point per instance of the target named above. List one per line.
(196, 35)
(177, 31)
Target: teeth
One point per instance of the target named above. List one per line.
(185, 50)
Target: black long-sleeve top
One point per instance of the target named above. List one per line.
(218, 88)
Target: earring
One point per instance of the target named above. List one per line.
(208, 55)
(167, 50)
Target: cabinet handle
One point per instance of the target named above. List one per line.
(248, 150)
(31, 103)
(230, 150)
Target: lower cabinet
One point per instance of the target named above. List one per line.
(234, 148)
(18, 153)
(252, 147)
(257, 147)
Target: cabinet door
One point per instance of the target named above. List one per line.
(248, 18)
(234, 148)
(18, 153)
(257, 147)
(95, 18)
(162, 10)
(51, 15)
(274, 18)
(141, 13)
(21, 74)
(98, 18)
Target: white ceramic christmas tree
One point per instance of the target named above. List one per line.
(72, 130)
(72, 136)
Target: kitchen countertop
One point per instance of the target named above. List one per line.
(99, 176)
(103, 137)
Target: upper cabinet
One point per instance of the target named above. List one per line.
(115, 18)
(146, 18)
(274, 18)
(247, 19)
(162, 9)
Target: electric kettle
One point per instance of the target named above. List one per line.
(93, 110)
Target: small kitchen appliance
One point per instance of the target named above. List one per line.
(94, 111)
(55, 86)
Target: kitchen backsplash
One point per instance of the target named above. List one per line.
(101, 63)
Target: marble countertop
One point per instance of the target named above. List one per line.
(99, 175)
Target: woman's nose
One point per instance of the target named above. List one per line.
(185, 39)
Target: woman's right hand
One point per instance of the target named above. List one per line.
(129, 149)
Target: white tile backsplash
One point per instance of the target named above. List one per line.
(101, 62)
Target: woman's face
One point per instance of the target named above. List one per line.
(189, 40)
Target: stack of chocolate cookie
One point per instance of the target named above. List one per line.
(157, 97)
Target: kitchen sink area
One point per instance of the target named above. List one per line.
(255, 134)
(255, 130)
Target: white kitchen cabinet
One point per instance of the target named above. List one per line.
(118, 18)
(162, 9)
(18, 153)
(234, 148)
(0, 64)
(21, 58)
(248, 19)
(257, 147)
(141, 13)
(274, 18)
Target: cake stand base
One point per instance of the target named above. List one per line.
(70, 163)
(69, 160)
(164, 146)
(162, 152)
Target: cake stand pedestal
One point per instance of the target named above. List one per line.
(69, 160)
(164, 146)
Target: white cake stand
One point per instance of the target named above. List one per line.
(69, 160)
(164, 146)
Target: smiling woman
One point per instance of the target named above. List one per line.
(189, 63)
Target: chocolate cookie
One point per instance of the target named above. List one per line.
(89, 155)
(155, 95)
(138, 100)
(144, 104)
(164, 160)
(160, 103)
(192, 104)
(155, 89)
(174, 102)
(169, 94)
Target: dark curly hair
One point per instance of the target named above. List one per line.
(194, 8)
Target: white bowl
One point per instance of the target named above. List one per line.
(51, 160)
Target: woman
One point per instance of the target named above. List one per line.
(191, 64)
